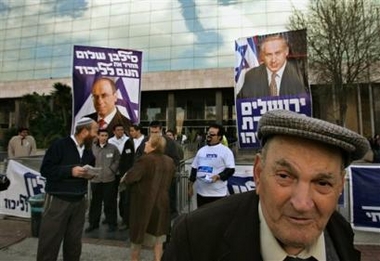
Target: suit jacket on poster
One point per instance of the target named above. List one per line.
(256, 82)
(119, 118)
(229, 229)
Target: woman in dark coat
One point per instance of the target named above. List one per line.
(150, 179)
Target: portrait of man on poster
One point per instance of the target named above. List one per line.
(277, 74)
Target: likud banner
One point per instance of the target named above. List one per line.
(120, 66)
(365, 197)
(25, 183)
(270, 73)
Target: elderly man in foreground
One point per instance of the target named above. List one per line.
(291, 215)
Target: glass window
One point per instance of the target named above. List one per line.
(43, 73)
(10, 65)
(13, 33)
(139, 42)
(160, 40)
(26, 65)
(29, 20)
(119, 20)
(182, 64)
(140, 6)
(12, 44)
(10, 56)
(159, 65)
(119, 9)
(160, 28)
(81, 25)
(185, 51)
(44, 51)
(139, 30)
(28, 42)
(100, 23)
(139, 19)
(159, 53)
(100, 10)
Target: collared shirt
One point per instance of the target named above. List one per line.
(119, 143)
(79, 148)
(109, 117)
(276, 252)
(278, 78)
(138, 141)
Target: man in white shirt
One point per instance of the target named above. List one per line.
(211, 167)
(119, 138)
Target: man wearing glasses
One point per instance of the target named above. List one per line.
(211, 167)
(104, 98)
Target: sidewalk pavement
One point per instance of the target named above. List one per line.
(17, 243)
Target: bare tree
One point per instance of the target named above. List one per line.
(343, 42)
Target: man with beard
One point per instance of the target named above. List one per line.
(66, 173)
(211, 167)
(291, 215)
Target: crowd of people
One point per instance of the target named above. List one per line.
(299, 175)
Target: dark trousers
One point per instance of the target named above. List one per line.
(61, 220)
(201, 200)
(173, 197)
(124, 205)
(103, 193)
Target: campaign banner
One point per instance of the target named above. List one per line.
(25, 182)
(122, 67)
(270, 73)
(365, 199)
(242, 180)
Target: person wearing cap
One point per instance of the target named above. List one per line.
(212, 166)
(106, 113)
(299, 176)
(66, 173)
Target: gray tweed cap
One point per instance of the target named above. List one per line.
(284, 122)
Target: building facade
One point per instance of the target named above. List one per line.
(188, 52)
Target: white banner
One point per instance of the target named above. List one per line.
(25, 183)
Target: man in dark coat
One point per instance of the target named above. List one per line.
(287, 78)
(299, 176)
(66, 167)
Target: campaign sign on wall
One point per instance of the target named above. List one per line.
(270, 73)
(25, 183)
(121, 66)
(365, 197)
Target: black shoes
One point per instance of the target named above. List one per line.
(112, 228)
(91, 228)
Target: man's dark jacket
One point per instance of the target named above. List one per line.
(256, 82)
(119, 118)
(57, 165)
(229, 229)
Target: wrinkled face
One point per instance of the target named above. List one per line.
(274, 54)
(118, 132)
(103, 137)
(299, 182)
(104, 97)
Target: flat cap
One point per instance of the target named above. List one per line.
(284, 122)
